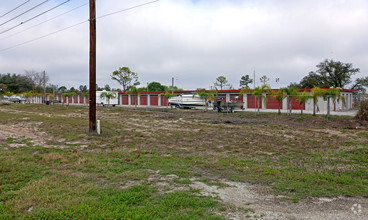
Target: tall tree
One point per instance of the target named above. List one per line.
(125, 77)
(295, 85)
(170, 88)
(107, 87)
(15, 83)
(39, 79)
(245, 80)
(83, 88)
(264, 79)
(221, 81)
(3, 88)
(360, 84)
(330, 73)
(62, 89)
(156, 86)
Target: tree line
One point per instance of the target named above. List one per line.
(31, 81)
(129, 81)
(329, 73)
(332, 73)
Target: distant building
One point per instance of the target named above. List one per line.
(153, 99)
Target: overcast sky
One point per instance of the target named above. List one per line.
(194, 41)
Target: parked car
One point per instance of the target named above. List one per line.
(17, 99)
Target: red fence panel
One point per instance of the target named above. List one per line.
(295, 105)
(133, 100)
(143, 99)
(81, 100)
(163, 101)
(125, 100)
(251, 101)
(154, 100)
(272, 103)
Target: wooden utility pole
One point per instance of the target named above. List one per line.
(44, 86)
(92, 67)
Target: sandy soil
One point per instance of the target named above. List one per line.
(245, 196)
(261, 205)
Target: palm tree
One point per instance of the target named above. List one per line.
(72, 94)
(211, 97)
(39, 95)
(27, 95)
(258, 92)
(316, 92)
(67, 95)
(302, 99)
(8, 94)
(206, 96)
(51, 97)
(108, 95)
(137, 92)
(63, 97)
(279, 95)
(335, 95)
(290, 92)
(167, 95)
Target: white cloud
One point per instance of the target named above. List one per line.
(196, 41)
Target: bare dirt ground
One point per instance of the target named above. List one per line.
(259, 204)
(272, 207)
(252, 197)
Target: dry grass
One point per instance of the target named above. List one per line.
(298, 156)
(53, 158)
(363, 111)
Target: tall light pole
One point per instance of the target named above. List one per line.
(172, 84)
(92, 67)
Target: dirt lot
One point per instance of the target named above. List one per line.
(258, 167)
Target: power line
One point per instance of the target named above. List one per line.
(52, 33)
(35, 17)
(24, 12)
(44, 21)
(127, 9)
(77, 24)
(15, 8)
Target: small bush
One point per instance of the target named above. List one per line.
(363, 111)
